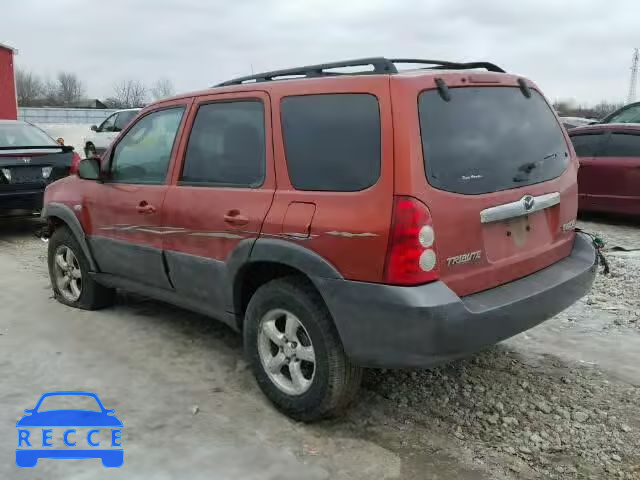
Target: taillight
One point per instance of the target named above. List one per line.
(75, 162)
(411, 257)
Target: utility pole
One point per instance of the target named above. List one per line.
(634, 76)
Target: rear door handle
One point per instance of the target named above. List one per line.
(233, 217)
(144, 208)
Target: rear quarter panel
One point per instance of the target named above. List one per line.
(349, 229)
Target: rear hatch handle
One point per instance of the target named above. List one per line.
(525, 206)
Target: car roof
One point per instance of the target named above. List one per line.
(379, 69)
(599, 127)
(296, 83)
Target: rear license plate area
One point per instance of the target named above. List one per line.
(510, 237)
(26, 175)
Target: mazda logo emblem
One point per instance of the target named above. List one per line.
(528, 201)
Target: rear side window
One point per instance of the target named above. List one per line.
(226, 145)
(332, 141)
(587, 145)
(623, 145)
(487, 139)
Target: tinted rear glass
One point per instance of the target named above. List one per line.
(488, 139)
(587, 145)
(332, 141)
(623, 145)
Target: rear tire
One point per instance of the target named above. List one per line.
(69, 273)
(316, 379)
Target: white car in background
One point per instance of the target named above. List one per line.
(101, 136)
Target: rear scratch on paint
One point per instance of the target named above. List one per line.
(351, 234)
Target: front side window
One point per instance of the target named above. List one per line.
(108, 125)
(332, 141)
(487, 139)
(622, 145)
(226, 145)
(143, 154)
(587, 145)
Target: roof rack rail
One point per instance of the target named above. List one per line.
(380, 65)
(445, 65)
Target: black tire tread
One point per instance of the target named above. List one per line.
(344, 377)
(94, 296)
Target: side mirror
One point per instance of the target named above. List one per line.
(28, 410)
(89, 169)
(94, 128)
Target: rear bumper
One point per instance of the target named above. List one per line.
(390, 326)
(22, 199)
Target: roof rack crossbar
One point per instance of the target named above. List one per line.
(380, 65)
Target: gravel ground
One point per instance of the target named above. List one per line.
(529, 408)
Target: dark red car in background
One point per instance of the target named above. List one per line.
(609, 175)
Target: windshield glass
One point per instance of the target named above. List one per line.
(487, 139)
(69, 402)
(629, 115)
(23, 135)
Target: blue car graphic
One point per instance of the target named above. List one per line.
(112, 457)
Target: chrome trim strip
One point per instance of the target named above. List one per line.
(518, 209)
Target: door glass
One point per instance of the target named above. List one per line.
(587, 145)
(623, 145)
(123, 120)
(108, 125)
(143, 154)
(226, 145)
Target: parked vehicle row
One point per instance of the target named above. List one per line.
(609, 175)
(334, 230)
(96, 142)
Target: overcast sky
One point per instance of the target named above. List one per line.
(577, 49)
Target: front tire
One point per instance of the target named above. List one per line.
(69, 273)
(295, 352)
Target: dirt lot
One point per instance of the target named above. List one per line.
(559, 401)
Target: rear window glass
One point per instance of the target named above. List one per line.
(487, 139)
(587, 145)
(623, 145)
(23, 135)
(332, 141)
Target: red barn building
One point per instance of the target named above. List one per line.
(8, 102)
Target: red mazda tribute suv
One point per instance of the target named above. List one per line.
(340, 220)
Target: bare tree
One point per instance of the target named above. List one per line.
(70, 88)
(29, 87)
(50, 93)
(129, 94)
(163, 88)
